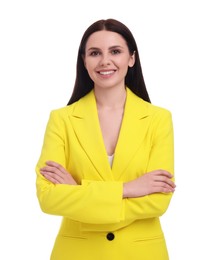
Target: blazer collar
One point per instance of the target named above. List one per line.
(133, 129)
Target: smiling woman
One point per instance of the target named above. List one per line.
(110, 60)
(107, 161)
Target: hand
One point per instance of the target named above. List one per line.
(57, 174)
(151, 182)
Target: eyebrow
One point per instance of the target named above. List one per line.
(110, 48)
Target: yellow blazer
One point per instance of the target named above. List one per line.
(97, 223)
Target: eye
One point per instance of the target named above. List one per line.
(94, 53)
(115, 51)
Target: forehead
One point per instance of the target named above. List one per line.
(105, 39)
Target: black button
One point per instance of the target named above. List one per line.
(110, 236)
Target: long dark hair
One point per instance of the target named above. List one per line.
(134, 78)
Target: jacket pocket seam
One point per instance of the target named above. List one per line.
(161, 236)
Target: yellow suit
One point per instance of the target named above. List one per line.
(97, 223)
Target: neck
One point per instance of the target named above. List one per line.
(110, 98)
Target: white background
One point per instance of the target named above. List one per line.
(38, 49)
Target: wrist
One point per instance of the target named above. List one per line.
(125, 190)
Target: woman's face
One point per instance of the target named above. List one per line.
(107, 59)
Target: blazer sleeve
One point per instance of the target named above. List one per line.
(100, 202)
(161, 157)
(86, 202)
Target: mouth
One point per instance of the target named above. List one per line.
(106, 72)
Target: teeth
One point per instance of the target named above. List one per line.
(106, 72)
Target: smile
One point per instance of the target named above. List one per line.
(106, 72)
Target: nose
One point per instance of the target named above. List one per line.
(105, 60)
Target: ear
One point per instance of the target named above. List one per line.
(132, 59)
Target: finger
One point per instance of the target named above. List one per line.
(162, 189)
(51, 176)
(50, 169)
(52, 163)
(163, 173)
(56, 165)
(164, 186)
(166, 180)
(54, 170)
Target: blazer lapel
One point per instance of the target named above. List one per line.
(87, 129)
(133, 130)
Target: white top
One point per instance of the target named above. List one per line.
(110, 158)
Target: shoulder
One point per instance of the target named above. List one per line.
(62, 112)
(159, 118)
(148, 109)
(69, 110)
(158, 110)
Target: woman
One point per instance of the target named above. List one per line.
(106, 164)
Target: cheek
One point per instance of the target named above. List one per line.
(125, 65)
(90, 69)
(89, 64)
(123, 62)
